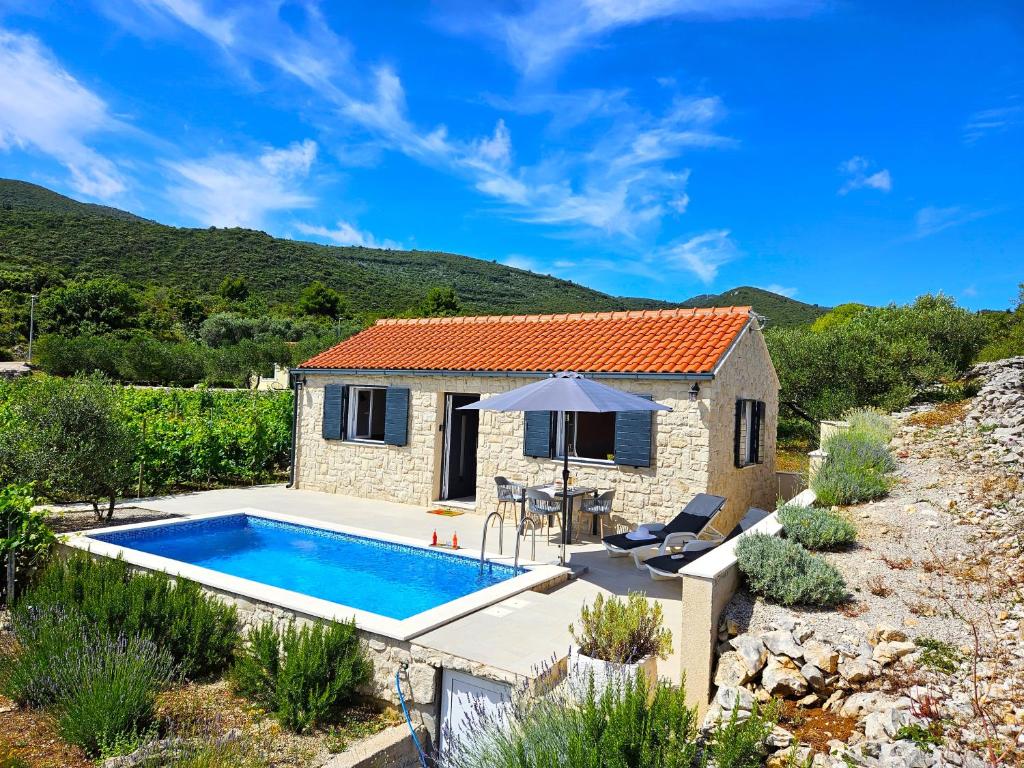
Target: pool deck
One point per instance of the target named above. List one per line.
(515, 635)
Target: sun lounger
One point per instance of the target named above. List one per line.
(668, 566)
(685, 526)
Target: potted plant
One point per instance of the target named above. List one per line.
(617, 637)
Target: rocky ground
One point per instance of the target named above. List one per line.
(938, 570)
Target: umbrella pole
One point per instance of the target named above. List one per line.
(565, 482)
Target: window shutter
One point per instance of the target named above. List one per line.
(537, 434)
(396, 416)
(334, 411)
(759, 434)
(737, 444)
(633, 437)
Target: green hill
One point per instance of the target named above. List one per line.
(40, 229)
(781, 311)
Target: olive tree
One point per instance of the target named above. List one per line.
(65, 435)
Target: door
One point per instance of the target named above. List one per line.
(460, 435)
(465, 694)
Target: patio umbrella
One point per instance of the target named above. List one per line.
(566, 392)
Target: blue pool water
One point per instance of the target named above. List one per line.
(392, 580)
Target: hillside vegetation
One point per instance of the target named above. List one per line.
(41, 229)
(781, 311)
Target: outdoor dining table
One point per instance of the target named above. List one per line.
(575, 492)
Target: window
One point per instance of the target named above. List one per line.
(366, 410)
(591, 436)
(749, 438)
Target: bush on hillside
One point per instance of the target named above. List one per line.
(858, 468)
(302, 675)
(196, 630)
(816, 528)
(784, 572)
(740, 742)
(872, 422)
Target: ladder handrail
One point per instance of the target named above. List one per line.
(519, 539)
(501, 535)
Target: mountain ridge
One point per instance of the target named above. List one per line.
(42, 228)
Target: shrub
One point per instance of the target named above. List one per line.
(627, 725)
(100, 688)
(737, 743)
(816, 528)
(622, 632)
(784, 572)
(29, 539)
(302, 675)
(106, 689)
(197, 630)
(870, 421)
(938, 654)
(70, 440)
(859, 468)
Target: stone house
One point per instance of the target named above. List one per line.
(377, 415)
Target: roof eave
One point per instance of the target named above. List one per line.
(708, 376)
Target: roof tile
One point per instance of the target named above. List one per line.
(638, 341)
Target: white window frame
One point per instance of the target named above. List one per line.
(560, 441)
(353, 413)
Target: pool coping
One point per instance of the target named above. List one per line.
(536, 575)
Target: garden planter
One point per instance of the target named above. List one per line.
(582, 667)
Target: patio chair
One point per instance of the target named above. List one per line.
(541, 504)
(599, 507)
(688, 525)
(508, 493)
(668, 566)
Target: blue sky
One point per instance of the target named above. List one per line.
(833, 151)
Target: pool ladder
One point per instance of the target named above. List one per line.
(520, 532)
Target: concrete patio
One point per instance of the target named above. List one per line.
(515, 635)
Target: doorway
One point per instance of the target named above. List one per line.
(458, 474)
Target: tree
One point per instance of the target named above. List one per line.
(441, 301)
(840, 315)
(321, 301)
(90, 307)
(234, 288)
(65, 435)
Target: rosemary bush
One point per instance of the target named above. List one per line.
(740, 743)
(784, 572)
(302, 675)
(816, 528)
(622, 632)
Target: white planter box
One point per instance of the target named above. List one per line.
(582, 667)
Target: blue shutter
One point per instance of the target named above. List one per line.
(537, 434)
(396, 416)
(334, 411)
(759, 431)
(633, 437)
(737, 436)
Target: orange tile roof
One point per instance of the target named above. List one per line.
(643, 341)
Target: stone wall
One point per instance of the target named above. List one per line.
(693, 450)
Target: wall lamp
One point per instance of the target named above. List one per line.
(694, 391)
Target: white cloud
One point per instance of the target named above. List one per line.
(548, 31)
(232, 190)
(856, 169)
(622, 185)
(346, 233)
(933, 219)
(702, 254)
(44, 108)
(997, 120)
(782, 290)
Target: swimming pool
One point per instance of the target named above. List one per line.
(388, 584)
(393, 580)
